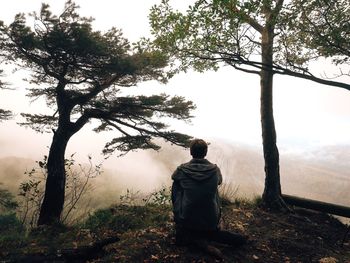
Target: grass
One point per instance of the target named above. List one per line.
(114, 221)
(146, 235)
(13, 234)
(122, 218)
(246, 202)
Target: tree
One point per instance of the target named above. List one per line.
(227, 31)
(250, 36)
(80, 72)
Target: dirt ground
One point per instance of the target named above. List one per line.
(146, 234)
(302, 236)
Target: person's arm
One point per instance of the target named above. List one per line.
(174, 187)
(219, 175)
(174, 191)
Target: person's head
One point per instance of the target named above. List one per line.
(198, 148)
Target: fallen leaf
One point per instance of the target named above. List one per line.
(249, 214)
(328, 260)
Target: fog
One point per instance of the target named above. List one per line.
(319, 175)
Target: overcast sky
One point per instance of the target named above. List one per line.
(306, 114)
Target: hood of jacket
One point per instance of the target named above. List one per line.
(198, 169)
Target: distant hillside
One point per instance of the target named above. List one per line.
(323, 174)
(12, 171)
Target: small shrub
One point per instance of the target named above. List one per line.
(127, 221)
(122, 218)
(31, 191)
(130, 198)
(246, 202)
(257, 200)
(7, 201)
(12, 231)
(241, 201)
(108, 218)
(159, 197)
(227, 193)
(9, 222)
(99, 219)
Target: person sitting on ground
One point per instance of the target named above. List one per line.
(196, 203)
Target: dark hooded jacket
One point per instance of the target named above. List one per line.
(195, 198)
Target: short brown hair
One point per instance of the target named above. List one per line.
(198, 148)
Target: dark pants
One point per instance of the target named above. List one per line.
(185, 236)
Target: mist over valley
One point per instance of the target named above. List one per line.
(322, 174)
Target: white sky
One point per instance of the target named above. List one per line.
(306, 114)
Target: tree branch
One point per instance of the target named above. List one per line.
(84, 98)
(313, 78)
(249, 20)
(277, 8)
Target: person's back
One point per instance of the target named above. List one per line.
(195, 195)
(196, 203)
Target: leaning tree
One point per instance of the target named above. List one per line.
(81, 73)
(251, 36)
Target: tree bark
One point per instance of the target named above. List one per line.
(79, 254)
(53, 202)
(317, 205)
(272, 196)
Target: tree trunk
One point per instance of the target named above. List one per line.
(272, 196)
(53, 202)
(79, 254)
(317, 205)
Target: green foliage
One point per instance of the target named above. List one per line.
(257, 200)
(314, 29)
(5, 114)
(130, 198)
(159, 197)
(9, 222)
(247, 202)
(207, 34)
(7, 201)
(322, 26)
(31, 191)
(229, 32)
(98, 219)
(122, 218)
(12, 232)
